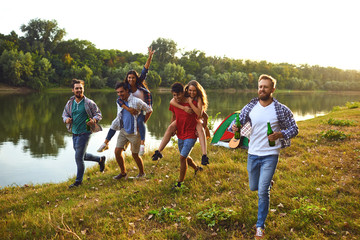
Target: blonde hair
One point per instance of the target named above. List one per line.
(268, 77)
(200, 92)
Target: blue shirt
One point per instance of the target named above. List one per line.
(128, 120)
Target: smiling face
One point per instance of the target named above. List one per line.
(265, 89)
(179, 97)
(132, 80)
(78, 90)
(122, 93)
(192, 91)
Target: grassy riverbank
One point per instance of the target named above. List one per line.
(315, 196)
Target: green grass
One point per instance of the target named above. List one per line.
(315, 196)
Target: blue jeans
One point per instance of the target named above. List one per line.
(261, 170)
(185, 146)
(80, 143)
(140, 124)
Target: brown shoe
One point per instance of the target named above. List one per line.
(120, 176)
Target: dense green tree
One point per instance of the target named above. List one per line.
(17, 67)
(165, 51)
(42, 73)
(9, 42)
(42, 35)
(84, 73)
(172, 73)
(153, 79)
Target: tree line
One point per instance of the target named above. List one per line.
(41, 58)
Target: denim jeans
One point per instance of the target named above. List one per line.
(141, 125)
(261, 170)
(185, 146)
(80, 143)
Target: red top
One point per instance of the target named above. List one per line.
(185, 122)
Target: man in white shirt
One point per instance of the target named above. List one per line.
(263, 158)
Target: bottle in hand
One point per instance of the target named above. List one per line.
(270, 131)
(238, 125)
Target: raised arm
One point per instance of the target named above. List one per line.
(151, 53)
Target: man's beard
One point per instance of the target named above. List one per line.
(78, 95)
(265, 97)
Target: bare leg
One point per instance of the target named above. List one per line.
(120, 160)
(167, 136)
(202, 140)
(183, 168)
(139, 163)
(191, 163)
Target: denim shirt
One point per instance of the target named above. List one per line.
(288, 126)
(133, 102)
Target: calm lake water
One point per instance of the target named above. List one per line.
(35, 146)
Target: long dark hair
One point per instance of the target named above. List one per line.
(138, 82)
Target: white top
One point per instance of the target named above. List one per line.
(139, 94)
(259, 143)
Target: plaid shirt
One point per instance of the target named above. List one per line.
(133, 102)
(287, 123)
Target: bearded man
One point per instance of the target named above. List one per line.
(263, 158)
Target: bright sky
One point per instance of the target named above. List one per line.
(316, 32)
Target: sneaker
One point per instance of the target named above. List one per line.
(140, 175)
(272, 183)
(156, 155)
(120, 176)
(75, 184)
(177, 186)
(260, 232)
(102, 163)
(142, 150)
(103, 147)
(198, 169)
(204, 160)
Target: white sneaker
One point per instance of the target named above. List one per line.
(103, 147)
(260, 232)
(142, 150)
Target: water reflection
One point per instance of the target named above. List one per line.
(33, 133)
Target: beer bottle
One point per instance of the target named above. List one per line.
(87, 126)
(270, 131)
(238, 125)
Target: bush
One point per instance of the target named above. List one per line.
(165, 215)
(351, 105)
(335, 122)
(215, 215)
(334, 135)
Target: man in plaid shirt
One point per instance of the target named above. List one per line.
(127, 124)
(263, 158)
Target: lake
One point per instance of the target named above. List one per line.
(35, 146)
